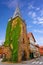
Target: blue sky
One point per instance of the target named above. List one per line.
(32, 13)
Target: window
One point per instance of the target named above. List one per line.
(23, 40)
(28, 38)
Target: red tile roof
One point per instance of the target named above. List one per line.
(41, 50)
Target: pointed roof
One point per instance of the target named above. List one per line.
(17, 12)
(30, 34)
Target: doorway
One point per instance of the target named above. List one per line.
(31, 55)
(24, 56)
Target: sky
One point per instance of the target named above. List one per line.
(32, 13)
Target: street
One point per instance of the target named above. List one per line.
(37, 61)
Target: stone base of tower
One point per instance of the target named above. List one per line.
(23, 53)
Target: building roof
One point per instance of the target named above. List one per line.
(41, 50)
(31, 35)
(37, 45)
(41, 46)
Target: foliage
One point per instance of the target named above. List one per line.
(14, 34)
(8, 32)
(15, 37)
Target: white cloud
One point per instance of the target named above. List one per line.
(37, 22)
(37, 18)
(34, 22)
(29, 26)
(11, 3)
(30, 13)
(41, 23)
(40, 41)
(34, 14)
(41, 12)
(40, 18)
(37, 9)
(38, 31)
(1, 42)
(14, 3)
(31, 6)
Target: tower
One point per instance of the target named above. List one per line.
(16, 37)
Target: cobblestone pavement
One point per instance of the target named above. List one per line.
(37, 61)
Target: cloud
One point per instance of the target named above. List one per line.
(31, 6)
(32, 14)
(1, 42)
(36, 22)
(35, 11)
(37, 8)
(40, 18)
(41, 12)
(11, 3)
(40, 41)
(41, 22)
(38, 31)
(14, 3)
(36, 15)
(29, 26)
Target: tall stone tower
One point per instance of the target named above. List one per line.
(16, 37)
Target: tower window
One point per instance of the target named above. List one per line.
(23, 40)
(28, 38)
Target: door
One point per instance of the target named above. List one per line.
(24, 56)
(31, 55)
